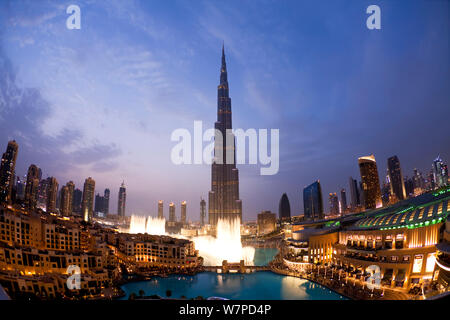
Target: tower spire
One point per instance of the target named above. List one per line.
(223, 70)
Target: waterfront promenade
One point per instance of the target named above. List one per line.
(346, 286)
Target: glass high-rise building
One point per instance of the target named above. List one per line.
(77, 199)
(370, 182)
(87, 205)
(172, 216)
(354, 193)
(284, 208)
(7, 168)
(440, 173)
(121, 202)
(202, 212)
(66, 204)
(52, 193)
(183, 212)
(160, 209)
(334, 203)
(396, 182)
(106, 196)
(31, 187)
(343, 201)
(313, 202)
(224, 202)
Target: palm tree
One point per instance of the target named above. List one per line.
(132, 296)
(141, 293)
(168, 293)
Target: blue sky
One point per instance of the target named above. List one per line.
(103, 101)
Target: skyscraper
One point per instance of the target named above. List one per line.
(440, 173)
(160, 209)
(99, 202)
(343, 201)
(77, 200)
(7, 168)
(66, 205)
(106, 196)
(224, 202)
(52, 193)
(122, 200)
(172, 217)
(31, 187)
(284, 208)
(334, 203)
(183, 212)
(202, 212)
(370, 182)
(354, 193)
(396, 178)
(312, 201)
(87, 205)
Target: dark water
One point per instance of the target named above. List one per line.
(263, 285)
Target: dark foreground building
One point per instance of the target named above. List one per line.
(284, 208)
(312, 201)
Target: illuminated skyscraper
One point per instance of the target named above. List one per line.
(183, 212)
(396, 178)
(312, 201)
(334, 203)
(7, 168)
(370, 182)
(284, 208)
(160, 209)
(52, 193)
(224, 199)
(106, 196)
(202, 212)
(66, 205)
(440, 173)
(172, 217)
(87, 205)
(31, 187)
(122, 200)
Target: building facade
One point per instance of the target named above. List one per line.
(370, 182)
(312, 202)
(284, 208)
(7, 171)
(397, 185)
(87, 205)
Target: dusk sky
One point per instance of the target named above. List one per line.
(103, 101)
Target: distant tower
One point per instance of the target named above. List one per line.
(7, 168)
(343, 201)
(334, 203)
(106, 196)
(31, 187)
(354, 193)
(66, 205)
(440, 173)
(202, 212)
(87, 206)
(160, 209)
(313, 202)
(122, 200)
(77, 199)
(397, 185)
(172, 217)
(284, 208)
(370, 182)
(183, 212)
(52, 193)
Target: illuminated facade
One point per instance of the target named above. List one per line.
(160, 209)
(31, 187)
(122, 199)
(7, 168)
(183, 212)
(370, 182)
(224, 202)
(87, 205)
(52, 194)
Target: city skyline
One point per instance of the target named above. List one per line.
(326, 123)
